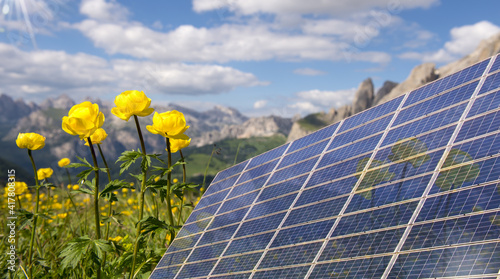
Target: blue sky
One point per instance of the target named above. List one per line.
(262, 57)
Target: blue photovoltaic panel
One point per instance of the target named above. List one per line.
(407, 189)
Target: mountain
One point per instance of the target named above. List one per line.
(364, 97)
(214, 125)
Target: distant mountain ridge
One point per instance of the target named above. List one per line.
(365, 97)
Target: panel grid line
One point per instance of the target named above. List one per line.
(409, 188)
(434, 177)
(205, 229)
(381, 207)
(353, 191)
(295, 200)
(248, 211)
(367, 209)
(386, 146)
(375, 231)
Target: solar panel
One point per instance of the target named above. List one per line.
(407, 189)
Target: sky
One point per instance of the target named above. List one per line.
(261, 57)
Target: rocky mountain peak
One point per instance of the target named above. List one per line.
(419, 76)
(11, 110)
(61, 102)
(364, 96)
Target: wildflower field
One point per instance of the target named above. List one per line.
(96, 227)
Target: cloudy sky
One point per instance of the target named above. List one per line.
(261, 57)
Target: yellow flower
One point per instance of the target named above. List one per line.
(127, 213)
(157, 178)
(56, 206)
(97, 137)
(132, 184)
(62, 215)
(178, 144)
(130, 201)
(170, 124)
(63, 162)
(75, 187)
(83, 120)
(86, 200)
(20, 187)
(176, 180)
(124, 190)
(44, 173)
(69, 186)
(116, 239)
(130, 103)
(32, 141)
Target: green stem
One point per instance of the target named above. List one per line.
(169, 185)
(69, 177)
(141, 198)
(183, 181)
(108, 224)
(35, 218)
(96, 198)
(109, 180)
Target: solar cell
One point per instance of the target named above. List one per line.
(407, 189)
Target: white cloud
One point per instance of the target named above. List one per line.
(229, 42)
(260, 104)
(315, 100)
(308, 72)
(58, 72)
(337, 7)
(464, 40)
(104, 10)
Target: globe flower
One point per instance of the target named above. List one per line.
(178, 144)
(97, 137)
(130, 103)
(63, 162)
(62, 215)
(21, 187)
(170, 124)
(44, 173)
(116, 239)
(83, 120)
(32, 141)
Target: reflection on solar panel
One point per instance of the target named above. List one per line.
(407, 189)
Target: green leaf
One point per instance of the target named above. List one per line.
(157, 157)
(165, 170)
(25, 217)
(78, 165)
(410, 147)
(372, 177)
(84, 174)
(74, 251)
(458, 170)
(136, 176)
(128, 158)
(114, 185)
(151, 224)
(83, 190)
(145, 163)
(178, 188)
